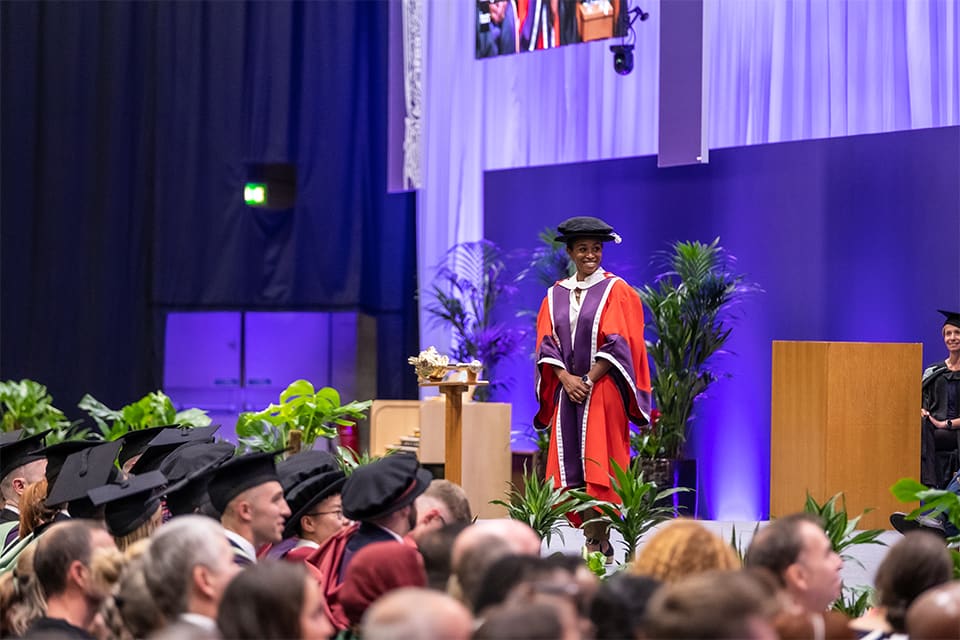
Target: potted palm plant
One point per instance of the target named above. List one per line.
(689, 305)
(471, 280)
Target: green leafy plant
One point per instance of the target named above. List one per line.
(689, 307)
(841, 529)
(596, 562)
(349, 460)
(152, 410)
(314, 413)
(471, 280)
(736, 541)
(854, 601)
(27, 405)
(641, 507)
(539, 504)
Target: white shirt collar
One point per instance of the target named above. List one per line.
(10, 507)
(198, 620)
(245, 545)
(391, 532)
(572, 283)
(303, 542)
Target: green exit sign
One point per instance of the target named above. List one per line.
(255, 194)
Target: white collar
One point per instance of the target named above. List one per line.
(199, 620)
(596, 277)
(390, 531)
(10, 507)
(303, 542)
(245, 545)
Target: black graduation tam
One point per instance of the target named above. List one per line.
(235, 476)
(303, 465)
(129, 503)
(84, 470)
(384, 486)
(304, 496)
(135, 442)
(951, 317)
(188, 470)
(57, 454)
(20, 452)
(166, 442)
(586, 227)
(6, 437)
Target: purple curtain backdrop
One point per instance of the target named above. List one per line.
(851, 238)
(778, 71)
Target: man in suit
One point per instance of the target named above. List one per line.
(247, 493)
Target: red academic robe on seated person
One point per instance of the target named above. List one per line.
(584, 437)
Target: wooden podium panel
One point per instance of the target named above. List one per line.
(485, 452)
(389, 421)
(845, 416)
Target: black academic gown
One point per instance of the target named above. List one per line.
(8, 515)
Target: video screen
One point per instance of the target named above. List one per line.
(515, 26)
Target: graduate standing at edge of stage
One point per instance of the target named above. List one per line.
(592, 372)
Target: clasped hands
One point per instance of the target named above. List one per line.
(938, 424)
(577, 390)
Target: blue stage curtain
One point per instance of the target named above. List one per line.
(127, 129)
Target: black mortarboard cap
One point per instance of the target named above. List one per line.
(384, 486)
(129, 503)
(57, 454)
(307, 494)
(6, 437)
(586, 227)
(166, 442)
(84, 470)
(235, 476)
(20, 452)
(188, 470)
(950, 317)
(303, 465)
(135, 442)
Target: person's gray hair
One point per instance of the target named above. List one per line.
(175, 549)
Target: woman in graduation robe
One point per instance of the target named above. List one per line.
(592, 372)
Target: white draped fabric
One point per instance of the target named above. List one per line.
(778, 70)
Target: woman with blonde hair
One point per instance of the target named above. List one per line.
(684, 548)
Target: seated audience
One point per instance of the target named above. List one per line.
(443, 503)
(618, 609)
(273, 601)
(62, 564)
(715, 604)
(187, 568)
(247, 491)
(918, 562)
(935, 615)
(21, 601)
(479, 546)
(436, 548)
(799, 555)
(410, 612)
(527, 621)
(376, 570)
(682, 548)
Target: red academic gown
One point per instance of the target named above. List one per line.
(584, 437)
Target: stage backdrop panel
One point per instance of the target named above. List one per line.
(852, 239)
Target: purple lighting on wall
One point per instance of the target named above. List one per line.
(846, 248)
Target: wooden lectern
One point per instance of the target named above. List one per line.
(845, 416)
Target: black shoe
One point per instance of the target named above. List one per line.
(922, 523)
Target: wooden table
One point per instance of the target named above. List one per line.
(453, 423)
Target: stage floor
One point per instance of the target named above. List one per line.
(869, 556)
